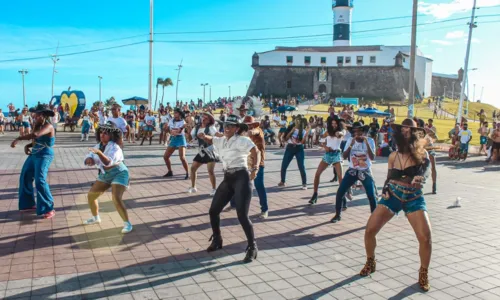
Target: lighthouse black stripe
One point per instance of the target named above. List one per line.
(341, 32)
(343, 3)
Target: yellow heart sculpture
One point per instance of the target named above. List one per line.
(72, 100)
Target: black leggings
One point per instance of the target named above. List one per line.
(238, 185)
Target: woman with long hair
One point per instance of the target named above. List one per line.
(206, 153)
(296, 137)
(25, 122)
(40, 156)
(130, 118)
(234, 150)
(331, 141)
(85, 119)
(408, 169)
(177, 142)
(108, 157)
(164, 119)
(149, 127)
(282, 125)
(310, 132)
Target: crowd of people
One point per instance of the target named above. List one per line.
(237, 141)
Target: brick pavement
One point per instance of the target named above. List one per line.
(302, 255)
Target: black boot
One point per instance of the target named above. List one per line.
(335, 178)
(251, 253)
(336, 218)
(150, 140)
(434, 189)
(187, 176)
(169, 174)
(314, 199)
(216, 243)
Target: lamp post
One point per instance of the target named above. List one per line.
(229, 92)
(23, 72)
(100, 78)
(204, 85)
(178, 79)
(210, 94)
(413, 55)
(55, 59)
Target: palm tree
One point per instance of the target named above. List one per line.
(159, 81)
(165, 83)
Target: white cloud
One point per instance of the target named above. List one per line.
(455, 34)
(441, 42)
(439, 50)
(446, 10)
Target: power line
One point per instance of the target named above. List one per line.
(74, 53)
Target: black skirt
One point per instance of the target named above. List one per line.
(203, 159)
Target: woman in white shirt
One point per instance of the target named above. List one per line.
(85, 123)
(296, 137)
(25, 121)
(233, 150)
(206, 154)
(108, 157)
(149, 127)
(331, 141)
(177, 142)
(164, 120)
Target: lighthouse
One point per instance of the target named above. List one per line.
(342, 11)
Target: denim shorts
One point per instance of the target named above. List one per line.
(117, 175)
(177, 141)
(404, 198)
(332, 157)
(464, 147)
(26, 124)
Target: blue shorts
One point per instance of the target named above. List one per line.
(282, 130)
(403, 198)
(117, 175)
(464, 147)
(148, 128)
(26, 125)
(177, 141)
(332, 157)
(483, 140)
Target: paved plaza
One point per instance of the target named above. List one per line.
(301, 254)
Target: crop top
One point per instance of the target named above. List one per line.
(409, 173)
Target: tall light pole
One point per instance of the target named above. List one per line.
(413, 55)
(481, 98)
(204, 85)
(150, 86)
(100, 78)
(229, 92)
(472, 25)
(444, 95)
(179, 67)
(210, 94)
(23, 72)
(453, 92)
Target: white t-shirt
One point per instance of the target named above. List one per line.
(164, 119)
(464, 135)
(359, 154)
(294, 138)
(112, 151)
(177, 125)
(150, 120)
(233, 152)
(283, 124)
(333, 142)
(119, 122)
(102, 118)
(211, 131)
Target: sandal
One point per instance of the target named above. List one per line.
(423, 279)
(49, 215)
(369, 267)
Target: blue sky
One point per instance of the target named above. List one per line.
(31, 25)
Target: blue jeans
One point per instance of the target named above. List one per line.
(350, 178)
(291, 151)
(36, 168)
(261, 191)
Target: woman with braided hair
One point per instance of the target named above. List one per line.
(408, 169)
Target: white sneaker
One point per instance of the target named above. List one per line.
(92, 221)
(304, 187)
(192, 190)
(264, 215)
(127, 227)
(212, 193)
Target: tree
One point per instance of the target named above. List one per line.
(165, 83)
(109, 102)
(159, 81)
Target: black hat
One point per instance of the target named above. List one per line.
(109, 126)
(42, 109)
(410, 123)
(235, 120)
(181, 113)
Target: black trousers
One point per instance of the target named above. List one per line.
(235, 185)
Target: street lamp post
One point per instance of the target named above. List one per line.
(229, 92)
(178, 79)
(150, 79)
(413, 55)
(204, 85)
(210, 94)
(23, 72)
(100, 78)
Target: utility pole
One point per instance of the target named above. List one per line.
(204, 85)
(229, 92)
(413, 55)
(100, 78)
(472, 25)
(150, 86)
(481, 98)
(55, 59)
(210, 94)
(474, 93)
(178, 79)
(23, 72)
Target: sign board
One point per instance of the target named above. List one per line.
(347, 101)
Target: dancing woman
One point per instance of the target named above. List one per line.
(164, 119)
(331, 143)
(430, 137)
(206, 154)
(149, 127)
(25, 122)
(360, 153)
(36, 166)
(296, 137)
(233, 150)
(177, 142)
(130, 117)
(282, 125)
(108, 157)
(85, 125)
(408, 168)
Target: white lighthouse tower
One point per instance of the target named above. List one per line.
(342, 12)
